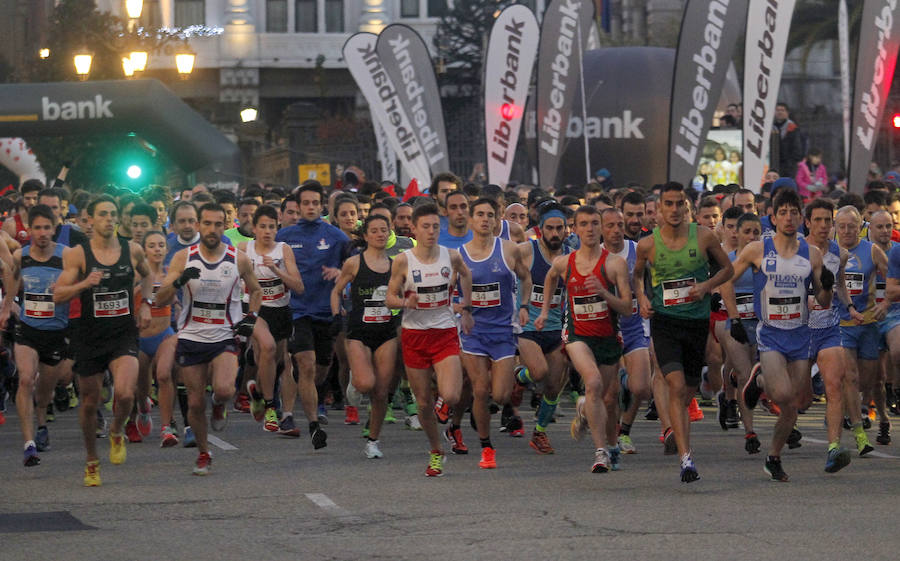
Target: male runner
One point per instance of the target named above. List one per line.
(15, 226)
(210, 273)
(457, 231)
(245, 212)
(678, 255)
(880, 230)
(105, 337)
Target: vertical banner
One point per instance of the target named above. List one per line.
(844, 56)
(386, 155)
(511, 51)
(768, 24)
(557, 80)
(408, 63)
(384, 102)
(709, 32)
(879, 38)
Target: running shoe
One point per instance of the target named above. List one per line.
(31, 455)
(769, 405)
(488, 458)
(774, 469)
(2, 418)
(579, 426)
(42, 439)
(670, 446)
(389, 417)
(732, 416)
(50, 415)
(242, 403)
(441, 411)
(218, 419)
(541, 443)
(167, 437)
(117, 451)
(132, 433)
(351, 415)
(722, 411)
(287, 427)
(454, 437)
(751, 443)
(884, 433)
(652, 414)
(322, 414)
(372, 450)
(688, 469)
(271, 422)
(412, 422)
(143, 421)
(190, 441)
(694, 412)
(866, 422)
(751, 392)
(92, 474)
(862, 444)
(257, 403)
(837, 459)
(793, 440)
(204, 461)
(601, 461)
(626, 445)
(319, 438)
(435, 464)
(515, 427)
(61, 398)
(506, 416)
(615, 458)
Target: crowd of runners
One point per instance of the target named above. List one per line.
(149, 309)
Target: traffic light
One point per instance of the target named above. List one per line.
(895, 120)
(133, 171)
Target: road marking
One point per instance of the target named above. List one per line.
(329, 506)
(875, 453)
(216, 441)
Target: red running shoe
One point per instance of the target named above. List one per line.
(441, 411)
(454, 437)
(132, 433)
(351, 415)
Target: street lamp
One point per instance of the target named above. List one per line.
(127, 67)
(134, 8)
(139, 60)
(82, 60)
(184, 62)
(44, 53)
(248, 114)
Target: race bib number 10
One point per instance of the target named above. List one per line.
(589, 308)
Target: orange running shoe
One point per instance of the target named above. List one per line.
(488, 458)
(541, 443)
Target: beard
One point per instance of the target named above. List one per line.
(553, 243)
(210, 242)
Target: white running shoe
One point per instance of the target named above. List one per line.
(372, 450)
(412, 422)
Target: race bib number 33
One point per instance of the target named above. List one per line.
(428, 297)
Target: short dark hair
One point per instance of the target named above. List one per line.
(424, 210)
(180, 205)
(444, 176)
(852, 199)
(819, 203)
(732, 213)
(225, 197)
(311, 185)
(601, 198)
(267, 211)
(485, 201)
(211, 207)
(873, 197)
(253, 191)
(153, 233)
(586, 209)
(455, 193)
(787, 197)
(248, 201)
(289, 198)
(671, 186)
(378, 205)
(471, 190)
(492, 191)
(746, 217)
(143, 209)
(632, 198)
(708, 202)
(92, 206)
(41, 211)
(32, 185)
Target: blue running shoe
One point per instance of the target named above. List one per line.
(838, 458)
(688, 469)
(322, 414)
(189, 440)
(42, 439)
(615, 455)
(31, 455)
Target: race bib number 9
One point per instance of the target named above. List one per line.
(784, 308)
(677, 291)
(208, 313)
(111, 304)
(39, 305)
(589, 308)
(854, 283)
(429, 297)
(486, 295)
(537, 297)
(272, 289)
(745, 306)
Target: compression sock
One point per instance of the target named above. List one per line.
(523, 376)
(858, 429)
(625, 429)
(545, 413)
(183, 403)
(486, 443)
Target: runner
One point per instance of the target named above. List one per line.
(15, 226)
(207, 352)
(783, 268)
(420, 284)
(41, 339)
(105, 337)
(594, 299)
(880, 230)
(372, 328)
(678, 255)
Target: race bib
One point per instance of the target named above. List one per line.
(429, 297)
(537, 297)
(880, 286)
(486, 295)
(589, 308)
(745, 306)
(39, 305)
(677, 291)
(111, 304)
(272, 289)
(374, 311)
(634, 306)
(784, 308)
(208, 313)
(854, 283)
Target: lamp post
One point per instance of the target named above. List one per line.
(184, 62)
(248, 114)
(127, 67)
(139, 60)
(82, 60)
(133, 8)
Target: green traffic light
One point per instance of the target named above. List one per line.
(134, 171)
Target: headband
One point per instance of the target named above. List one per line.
(555, 213)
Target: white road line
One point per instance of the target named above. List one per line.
(218, 442)
(329, 506)
(875, 454)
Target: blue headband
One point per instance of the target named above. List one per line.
(555, 213)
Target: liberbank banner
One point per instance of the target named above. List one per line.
(564, 34)
(709, 32)
(879, 37)
(768, 24)
(384, 102)
(511, 51)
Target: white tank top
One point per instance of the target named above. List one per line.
(211, 304)
(431, 283)
(274, 293)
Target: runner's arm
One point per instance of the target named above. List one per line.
(823, 297)
(464, 277)
(139, 262)
(7, 249)
(620, 300)
(251, 283)
(557, 269)
(714, 250)
(395, 298)
(10, 287)
(642, 255)
(523, 273)
(516, 233)
(67, 285)
(167, 288)
(348, 273)
(290, 276)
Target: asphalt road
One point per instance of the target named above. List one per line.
(275, 498)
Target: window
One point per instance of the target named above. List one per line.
(190, 12)
(151, 16)
(409, 8)
(437, 8)
(276, 16)
(307, 16)
(334, 16)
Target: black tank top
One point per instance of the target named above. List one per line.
(107, 310)
(367, 293)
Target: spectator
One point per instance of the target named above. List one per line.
(790, 145)
(812, 177)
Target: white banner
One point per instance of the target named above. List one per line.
(844, 55)
(511, 51)
(381, 94)
(768, 24)
(386, 155)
